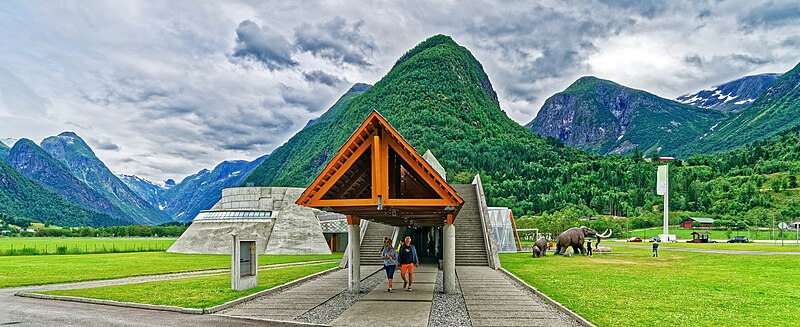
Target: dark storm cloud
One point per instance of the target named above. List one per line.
(644, 8)
(771, 14)
(735, 60)
(318, 76)
(336, 40)
(104, 145)
(263, 45)
(543, 43)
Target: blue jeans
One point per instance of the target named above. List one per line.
(389, 270)
(655, 252)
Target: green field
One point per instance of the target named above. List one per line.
(630, 288)
(16, 270)
(81, 245)
(194, 292)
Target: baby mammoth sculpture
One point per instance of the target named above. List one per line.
(540, 247)
(575, 237)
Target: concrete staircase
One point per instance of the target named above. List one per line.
(372, 243)
(470, 242)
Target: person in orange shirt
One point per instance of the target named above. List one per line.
(408, 259)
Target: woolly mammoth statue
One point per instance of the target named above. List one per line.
(575, 236)
(540, 247)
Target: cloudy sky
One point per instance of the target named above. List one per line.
(162, 89)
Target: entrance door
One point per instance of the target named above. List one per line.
(427, 240)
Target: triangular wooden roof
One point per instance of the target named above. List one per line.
(377, 175)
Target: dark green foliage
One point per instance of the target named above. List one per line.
(22, 197)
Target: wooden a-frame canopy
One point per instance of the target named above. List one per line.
(378, 176)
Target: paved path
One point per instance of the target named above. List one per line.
(20, 311)
(381, 308)
(667, 248)
(494, 300)
(290, 304)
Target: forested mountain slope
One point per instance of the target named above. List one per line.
(24, 198)
(439, 98)
(33, 162)
(71, 150)
(774, 112)
(604, 117)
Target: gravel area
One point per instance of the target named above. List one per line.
(326, 312)
(448, 309)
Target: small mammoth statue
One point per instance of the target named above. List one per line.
(540, 247)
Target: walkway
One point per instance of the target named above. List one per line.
(289, 304)
(21, 311)
(667, 248)
(380, 308)
(494, 300)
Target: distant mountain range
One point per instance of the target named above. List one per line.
(65, 170)
(197, 192)
(731, 96)
(603, 117)
(607, 118)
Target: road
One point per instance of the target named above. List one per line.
(20, 311)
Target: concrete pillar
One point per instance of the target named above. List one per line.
(354, 246)
(449, 258)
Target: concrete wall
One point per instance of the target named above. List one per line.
(292, 229)
(214, 236)
(297, 231)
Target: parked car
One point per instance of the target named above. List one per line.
(655, 239)
(738, 239)
(634, 239)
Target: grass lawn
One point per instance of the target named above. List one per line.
(50, 269)
(195, 292)
(79, 245)
(630, 288)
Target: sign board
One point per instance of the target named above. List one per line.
(662, 182)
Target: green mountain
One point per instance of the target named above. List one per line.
(24, 198)
(33, 162)
(774, 112)
(73, 152)
(4, 151)
(439, 98)
(603, 117)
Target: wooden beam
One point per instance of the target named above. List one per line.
(376, 168)
(417, 202)
(343, 169)
(437, 187)
(449, 219)
(353, 220)
(343, 203)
